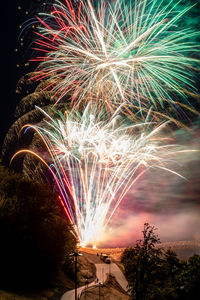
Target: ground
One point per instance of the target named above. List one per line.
(87, 265)
(87, 271)
(4, 295)
(110, 290)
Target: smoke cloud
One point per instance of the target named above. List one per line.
(163, 199)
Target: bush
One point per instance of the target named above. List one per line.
(35, 237)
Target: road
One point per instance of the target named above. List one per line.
(102, 272)
(71, 294)
(104, 269)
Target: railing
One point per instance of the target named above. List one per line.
(89, 288)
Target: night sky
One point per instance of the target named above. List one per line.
(166, 201)
(16, 50)
(14, 56)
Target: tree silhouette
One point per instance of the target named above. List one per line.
(142, 263)
(155, 274)
(35, 237)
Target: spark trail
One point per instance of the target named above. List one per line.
(133, 53)
(95, 161)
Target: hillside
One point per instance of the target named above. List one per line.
(184, 249)
(109, 291)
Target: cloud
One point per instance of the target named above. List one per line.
(171, 227)
(162, 199)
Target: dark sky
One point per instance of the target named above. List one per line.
(15, 52)
(8, 60)
(13, 57)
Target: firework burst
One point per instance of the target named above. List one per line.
(95, 162)
(136, 54)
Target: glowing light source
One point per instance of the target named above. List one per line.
(127, 53)
(95, 161)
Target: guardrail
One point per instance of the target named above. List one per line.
(89, 288)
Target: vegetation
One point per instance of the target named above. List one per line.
(35, 237)
(154, 274)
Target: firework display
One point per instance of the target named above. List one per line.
(126, 67)
(95, 161)
(131, 52)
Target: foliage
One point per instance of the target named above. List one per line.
(190, 279)
(155, 274)
(142, 263)
(35, 237)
